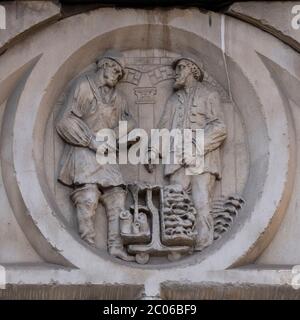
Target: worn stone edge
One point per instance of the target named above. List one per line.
(288, 40)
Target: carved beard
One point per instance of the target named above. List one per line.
(109, 82)
(107, 79)
(180, 82)
(178, 85)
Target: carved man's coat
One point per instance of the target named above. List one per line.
(197, 108)
(91, 109)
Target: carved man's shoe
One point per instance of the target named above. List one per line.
(203, 243)
(121, 254)
(90, 241)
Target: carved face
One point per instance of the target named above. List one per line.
(183, 72)
(112, 73)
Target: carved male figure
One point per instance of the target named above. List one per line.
(95, 104)
(193, 106)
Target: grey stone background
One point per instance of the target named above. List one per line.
(267, 276)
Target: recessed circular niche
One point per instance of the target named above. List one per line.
(248, 156)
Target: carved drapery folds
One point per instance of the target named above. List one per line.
(171, 219)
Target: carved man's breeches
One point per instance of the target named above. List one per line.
(114, 202)
(85, 199)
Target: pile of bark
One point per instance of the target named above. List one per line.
(178, 217)
(224, 211)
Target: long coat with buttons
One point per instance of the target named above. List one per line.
(197, 108)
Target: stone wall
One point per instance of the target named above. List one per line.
(250, 56)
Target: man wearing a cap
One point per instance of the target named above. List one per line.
(95, 104)
(194, 106)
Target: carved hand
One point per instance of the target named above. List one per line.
(151, 155)
(100, 146)
(189, 160)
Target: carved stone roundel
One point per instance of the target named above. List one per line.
(246, 197)
(148, 84)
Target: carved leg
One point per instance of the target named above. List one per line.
(86, 200)
(202, 186)
(179, 177)
(114, 202)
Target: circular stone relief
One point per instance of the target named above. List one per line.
(253, 147)
(147, 85)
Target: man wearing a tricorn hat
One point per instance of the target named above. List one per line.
(194, 106)
(95, 104)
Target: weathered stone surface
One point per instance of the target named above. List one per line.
(256, 84)
(22, 16)
(273, 16)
